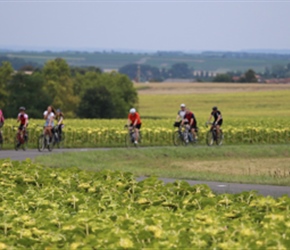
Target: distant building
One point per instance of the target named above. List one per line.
(110, 70)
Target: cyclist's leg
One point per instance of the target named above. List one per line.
(218, 127)
(137, 128)
(192, 130)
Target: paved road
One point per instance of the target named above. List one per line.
(218, 187)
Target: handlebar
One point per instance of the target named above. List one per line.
(211, 124)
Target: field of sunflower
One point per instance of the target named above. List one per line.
(68, 208)
(155, 132)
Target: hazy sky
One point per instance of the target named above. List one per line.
(145, 25)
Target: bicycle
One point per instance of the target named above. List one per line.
(183, 136)
(45, 141)
(21, 139)
(130, 137)
(58, 138)
(212, 137)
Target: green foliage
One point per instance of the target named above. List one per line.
(50, 208)
(250, 76)
(222, 78)
(59, 85)
(6, 71)
(147, 72)
(105, 95)
(97, 102)
(27, 90)
(181, 70)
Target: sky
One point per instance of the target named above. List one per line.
(145, 25)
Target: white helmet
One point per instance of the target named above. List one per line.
(132, 111)
(182, 105)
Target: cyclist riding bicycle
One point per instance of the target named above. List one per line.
(180, 115)
(190, 121)
(22, 117)
(218, 119)
(134, 121)
(2, 119)
(59, 117)
(49, 121)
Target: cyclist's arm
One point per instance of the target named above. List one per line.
(50, 120)
(60, 121)
(218, 119)
(209, 118)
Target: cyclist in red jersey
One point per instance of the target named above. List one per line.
(22, 118)
(135, 121)
(190, 120)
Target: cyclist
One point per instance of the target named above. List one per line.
(190, 120)
(218, 119)
(135, 122)
(180, 115)
(2, 119)
(22, 117)
(49, 116)
(59, 117)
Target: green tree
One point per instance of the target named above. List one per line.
(6, 71)
(250, 76)
(222, 78)
(60, 86)
(180, 70)
(118, 90)
(27, 90)
(97, 102)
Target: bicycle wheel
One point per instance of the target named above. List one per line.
(41, 143)
(220, 138)
(51, 144)
(129, 141)
(16, 142)
(209, 138)
(178, 138)
(60, 143)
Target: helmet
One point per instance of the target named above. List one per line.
(132, 111)
(58, 110)
(214, 108)
(22, 108)
(182, 105)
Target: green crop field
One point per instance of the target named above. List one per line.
(91, 200)
(256, 114)
(54, 208)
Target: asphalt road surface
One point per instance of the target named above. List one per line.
(218, 187)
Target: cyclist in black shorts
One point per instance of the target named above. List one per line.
(218, 119)
(190, 120)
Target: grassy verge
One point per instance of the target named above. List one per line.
(260, 164)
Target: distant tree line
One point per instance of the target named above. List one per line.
(154, 74)
(276, 71)
(78, 92)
